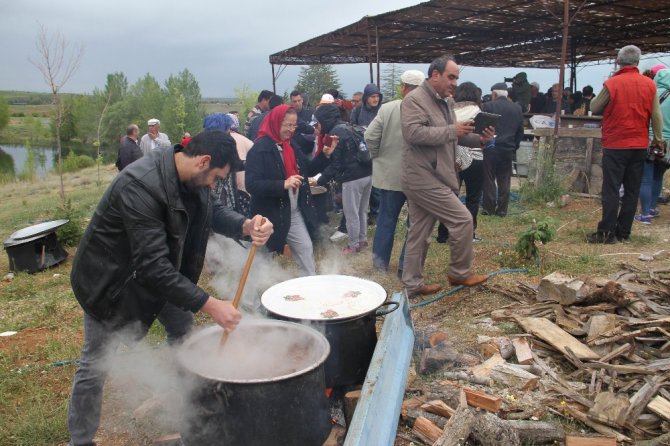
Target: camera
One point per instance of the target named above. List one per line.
(509, 79)
(655, 153)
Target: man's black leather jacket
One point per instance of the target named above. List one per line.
(131, 259)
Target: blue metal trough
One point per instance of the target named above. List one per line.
(375, 420)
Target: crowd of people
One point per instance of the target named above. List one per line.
(142, 254)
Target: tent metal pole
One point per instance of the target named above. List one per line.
(564, 56)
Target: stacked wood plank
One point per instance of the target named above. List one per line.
(592, 350)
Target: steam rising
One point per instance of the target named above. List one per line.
(148, 381)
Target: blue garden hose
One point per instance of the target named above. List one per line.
(460, 287)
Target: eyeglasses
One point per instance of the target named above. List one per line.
(289, 126)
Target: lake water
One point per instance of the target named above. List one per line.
(13, 159)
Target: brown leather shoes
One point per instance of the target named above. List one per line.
(425, 290)
(471, 280)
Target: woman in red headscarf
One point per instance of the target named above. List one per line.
(277, 179)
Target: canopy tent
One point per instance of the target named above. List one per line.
(490, 33)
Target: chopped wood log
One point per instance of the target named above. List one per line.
(168, 440)
(482, 400)
(469, 377)
(578, 440)
(604, 430)
(558, 338)
(534, 432)
(557, 287)
(438, 407)
(483, 370)
(433, 359)
(489, 346)
(459, 426)
(426, 430)
(624, 336)
(569, 323)
(522, 351)
(411, 403)
(532, 368)
(350, 402)
(609, 407)
(437, 337)
(514, 377)
(611, 292)
(663, 440)
(622, 350)
(413, 414)
(639, 401)
(489, 429)
(336, 436)
(622, 369)
(599, 324)
(660, 406)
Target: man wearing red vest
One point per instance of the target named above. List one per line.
(628, 102)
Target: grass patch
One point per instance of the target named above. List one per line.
(42, 307)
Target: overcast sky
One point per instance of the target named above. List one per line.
(223, 43)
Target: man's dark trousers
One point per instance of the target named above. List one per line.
(620, 166)
(390, 204)
(497, 170)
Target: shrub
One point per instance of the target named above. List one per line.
(69, 234)
(74, 162)
(550, 187)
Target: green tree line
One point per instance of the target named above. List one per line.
(177, 103)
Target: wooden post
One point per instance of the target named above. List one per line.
(274, 79)
(377, 49)
(367, 30)
(564, 55)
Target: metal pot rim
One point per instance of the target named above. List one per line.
(318, 338)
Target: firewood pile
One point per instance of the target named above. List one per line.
(595, 351)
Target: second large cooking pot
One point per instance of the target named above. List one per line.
(344, 309)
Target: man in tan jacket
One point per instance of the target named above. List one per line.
(430, 177)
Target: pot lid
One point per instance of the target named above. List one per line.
(328, 297)
(39, 229)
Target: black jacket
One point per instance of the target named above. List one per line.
(343, 165)
(363, 115)
(129, 151)
(509, 128)
(264, 180)
(131, 259)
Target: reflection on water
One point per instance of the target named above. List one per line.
(24, 162)
(6, 166)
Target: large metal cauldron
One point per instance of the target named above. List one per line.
(265, 388)
(344, 309)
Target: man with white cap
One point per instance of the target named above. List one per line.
(154, 139)
(384, 140)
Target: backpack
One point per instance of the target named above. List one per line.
(362, 154)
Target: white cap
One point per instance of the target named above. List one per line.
(153, 121)
(535, 84)
(412, 77)
(327, 99)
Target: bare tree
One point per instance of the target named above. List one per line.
(57, 62)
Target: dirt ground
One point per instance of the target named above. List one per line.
(462, 315)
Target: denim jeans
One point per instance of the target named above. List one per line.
(390, 204)
(652, 184)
